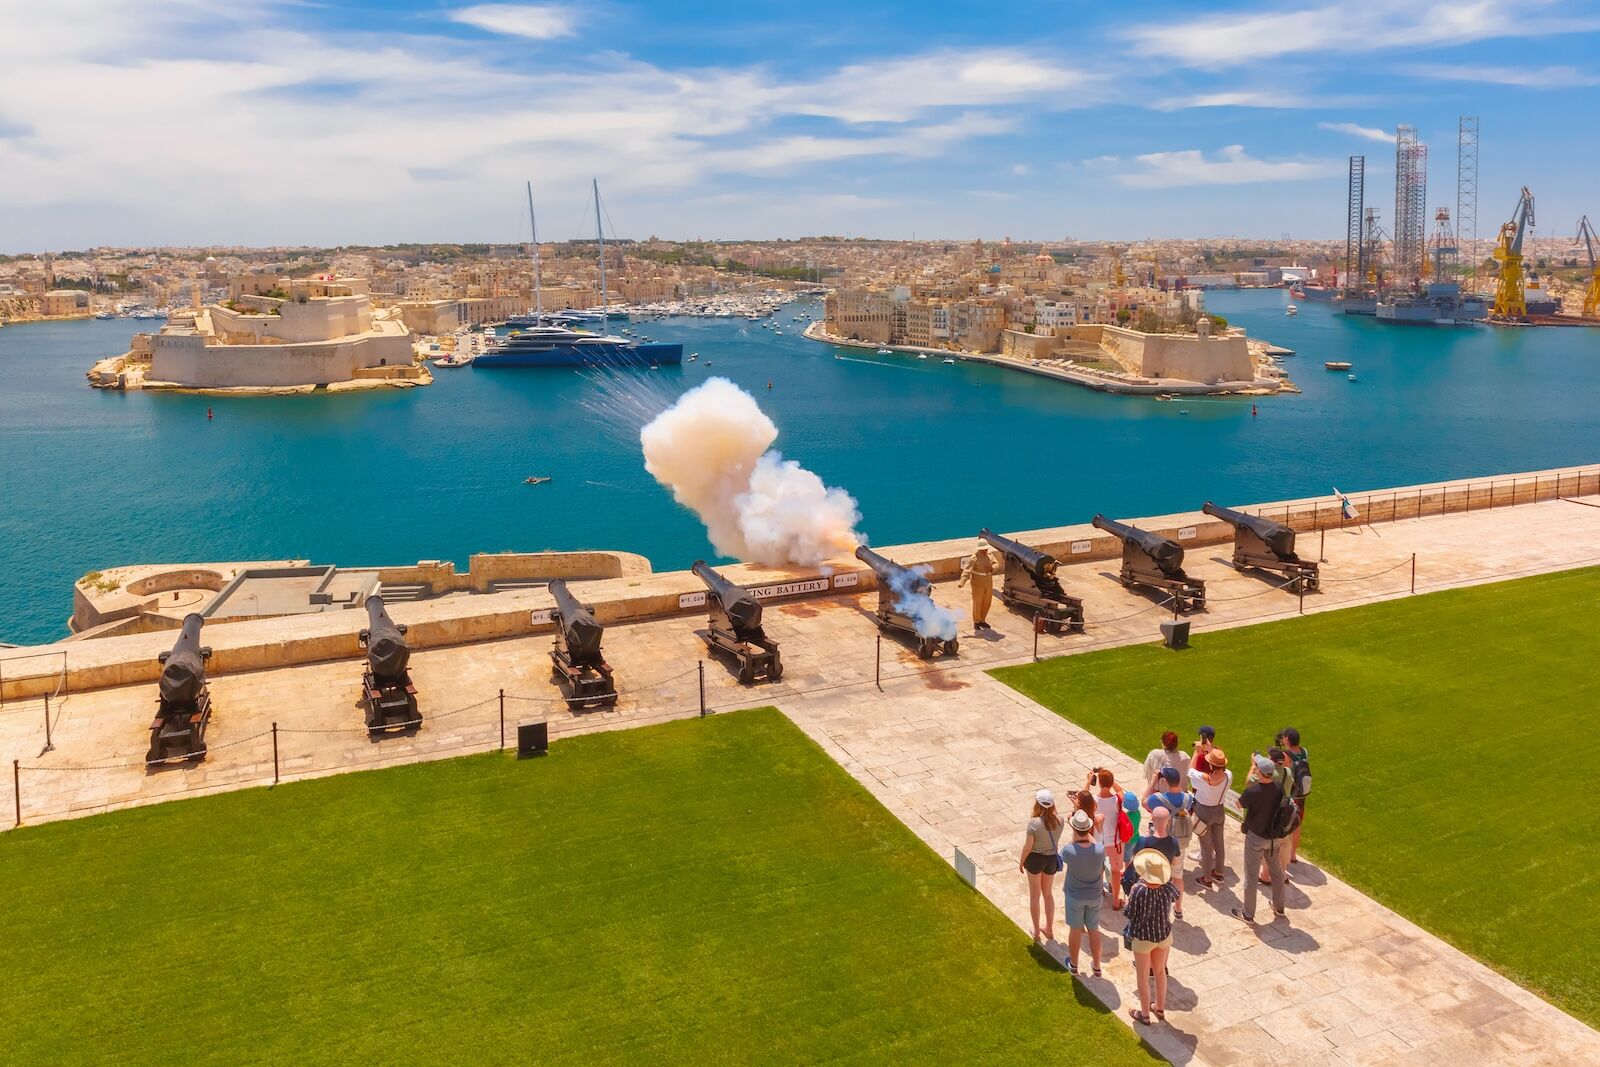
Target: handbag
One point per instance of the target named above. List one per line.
(1127, 927)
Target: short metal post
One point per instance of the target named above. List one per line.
(1413, 572)
(274, 753)
(49, 745)
(1301, 589)
(502, 720)
(1038, 624)
(877, 664)
(702, 666)
(16, 789)
(1419, 503)
(1469, 498)
(1322, 546)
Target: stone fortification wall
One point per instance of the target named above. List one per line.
(187, 361)
(269, 643)
(1184, 356)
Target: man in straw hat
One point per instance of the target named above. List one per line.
(979, 569)
(1149, 932)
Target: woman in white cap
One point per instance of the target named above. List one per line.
(1041, 860)
(1149, 932)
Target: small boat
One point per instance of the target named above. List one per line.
(1291, 310)
(885, 352)
(1336, 364)
(950, 362)
(1352, 377)
(922, 355)
(535, 480)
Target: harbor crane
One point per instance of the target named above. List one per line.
(1510, 298)
(1591, 295)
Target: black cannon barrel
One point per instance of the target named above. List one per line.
(1166, 553)
(581, 630)
(183, 675)
(1039, 564)
(387, 651)
(744, 610)
(1275, 535)
(900, 578)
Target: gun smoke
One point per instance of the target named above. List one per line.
(713, 449)
(912, 600)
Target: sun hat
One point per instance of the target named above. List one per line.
(1217, 758)
(1044, 798)
(1081, 821)
(1152, 866)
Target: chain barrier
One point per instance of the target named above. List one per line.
(1375, 574)
(141, 763)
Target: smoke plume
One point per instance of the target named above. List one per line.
(713, 450)
(912, 599)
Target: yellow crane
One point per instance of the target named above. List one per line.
(1591, 295)
(1510, 299)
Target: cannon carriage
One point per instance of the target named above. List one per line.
(898, 590)
(1155, 562)
(576, 659)
(734, 627)
(1267, 545)
(183, 699)
(1031, 583)
(389, 698)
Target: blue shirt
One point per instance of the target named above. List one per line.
(1085, 865)
(1176, 800)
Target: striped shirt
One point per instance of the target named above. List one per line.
(1149, 911)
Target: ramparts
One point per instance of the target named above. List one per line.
(271, 643)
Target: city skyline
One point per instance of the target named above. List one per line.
(204, 123)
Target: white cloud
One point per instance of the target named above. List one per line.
(1240, 37)
(1019, 169)
(1273, 98)
(1369, 132)
(1523, 77)
(1171, 170)
(539, 22)
(895, 90)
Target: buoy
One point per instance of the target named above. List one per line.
(769, 383)
(208, 413)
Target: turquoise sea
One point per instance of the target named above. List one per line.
(95, 479)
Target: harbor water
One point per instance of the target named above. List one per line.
(97, 479)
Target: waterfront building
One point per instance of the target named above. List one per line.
(62, 302)
(325, 332)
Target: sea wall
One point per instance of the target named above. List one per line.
(187, 361)
(269, 643)
(1185, 356)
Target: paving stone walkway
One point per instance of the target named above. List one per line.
(1342, 981)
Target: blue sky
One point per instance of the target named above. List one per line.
(232, 121)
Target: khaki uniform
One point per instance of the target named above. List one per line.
(980, 570)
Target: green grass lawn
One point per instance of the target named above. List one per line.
(1452, 740)
(715, 890)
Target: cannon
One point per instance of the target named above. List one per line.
(902, 591)
(1152, 560)
(183, 700)
(386, 689)
(1031, 582)
(576, 660)
(1267, 545)
(734, 627)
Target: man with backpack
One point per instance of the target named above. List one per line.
(1269, 818)
(1300, 775)
(1166, 792)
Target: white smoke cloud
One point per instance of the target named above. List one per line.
(712, 449)
(913, 598)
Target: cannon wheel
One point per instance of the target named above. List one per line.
(774, 672)
(927, 646)
(747, 672)
(951, 647)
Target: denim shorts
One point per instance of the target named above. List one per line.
(1083, 914)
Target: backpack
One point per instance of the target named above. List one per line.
(1182, 826)
(1286, 818)
(1300, 774)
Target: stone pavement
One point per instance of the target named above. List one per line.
(1342, 981)
(828, 644)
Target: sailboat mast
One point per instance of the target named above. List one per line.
(601, 231)
(538, 294)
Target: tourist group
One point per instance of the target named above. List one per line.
(1133, 846)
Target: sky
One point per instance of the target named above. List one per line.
(222, 122)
